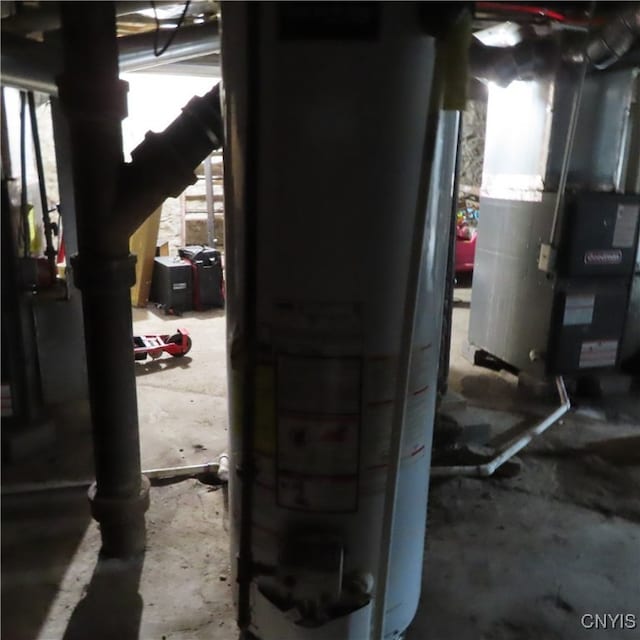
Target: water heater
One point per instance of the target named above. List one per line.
(326, 116)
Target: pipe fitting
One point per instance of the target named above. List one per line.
(163, 165)
(121, 519)
(91, 99)
(182, 146)
(503, 65)
(532, 59)
(615, 39)
(520, 442)
(103, 275)
(223, 467)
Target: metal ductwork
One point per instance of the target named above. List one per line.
(32, 65)
(136, 52)
(502, 65)
(46, 16)
(29, 65)
(533, 58)
(614, 39)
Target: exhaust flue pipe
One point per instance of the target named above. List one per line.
(524, 61)
(614, 39)
(532, 59)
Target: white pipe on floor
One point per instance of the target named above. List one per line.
(162, 473)
(488, 468)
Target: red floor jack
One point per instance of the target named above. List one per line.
(154, 345)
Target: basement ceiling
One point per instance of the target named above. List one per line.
(25, 23)
(35, 19)
(145, 26)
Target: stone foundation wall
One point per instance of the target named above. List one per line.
(474, 123)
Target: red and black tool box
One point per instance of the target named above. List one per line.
(208, 279)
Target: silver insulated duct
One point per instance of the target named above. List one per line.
(615, 38)
(531, 59)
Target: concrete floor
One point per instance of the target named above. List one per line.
(506, 558)
(182, 402)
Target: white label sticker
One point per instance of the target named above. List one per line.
(319, 385)
(379, 388)
(626, 223)
(318, 432)
(329, 494)
(179, 286)
(318, 444)
(598, 353)
(578, 309)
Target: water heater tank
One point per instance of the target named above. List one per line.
(326, 114)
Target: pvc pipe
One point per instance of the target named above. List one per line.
(488, 468)
(161, 473)
(164, 473)
(94, 100)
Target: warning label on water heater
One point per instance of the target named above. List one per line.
(624, 232)
(598, 353)
(318, 432)
(578, 309)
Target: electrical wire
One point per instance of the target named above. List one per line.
(535, 11)
(173, 32)
(24, 205)
(541, 12)
(50, 252)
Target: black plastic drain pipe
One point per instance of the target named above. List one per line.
(94, 101)
(112, 200)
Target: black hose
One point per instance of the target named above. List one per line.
(50, 252)
(7, 169)
(24, 204)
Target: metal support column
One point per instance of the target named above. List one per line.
(208, 179)
(447, 314)
(94, 100)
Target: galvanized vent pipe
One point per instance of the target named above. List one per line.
(46, 15)
(31, 65)
(614, 40)
(533, 58)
